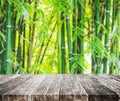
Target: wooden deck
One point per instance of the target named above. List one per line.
(60, 87)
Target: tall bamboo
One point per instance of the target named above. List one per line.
(93, 63)
(8, 51)
(69, 40)
(98, 66)
(43, 55)
(74, 25)
(33, 35)
(63, 43)
(107, 34)
(111, 69)
(80, 39)
(59, 43)
(19, 48)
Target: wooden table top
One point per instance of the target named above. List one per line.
(60, 87)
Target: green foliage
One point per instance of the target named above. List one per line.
(59, 36)
(95, 45)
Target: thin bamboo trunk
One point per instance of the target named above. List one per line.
(74, 25)
(48, 43)
(59, 43)
(63, 44)
(105, 69)
(69, 40)
(19, 52)
(111, 69)
(74, 20)
(8, 51)
(24, 45)
(93, 63)
(32, 36)
(80, 38)
(98, 66)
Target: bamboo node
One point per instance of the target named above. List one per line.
(97, 56)
(98, 22)
(67, 17)
(8, 26)
(63, 47)
(107, 11)
(8, 60)
(106, 45)
(70, 52)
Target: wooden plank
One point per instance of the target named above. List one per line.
(6, 78)
(43, 91)
(25, 90)
(110, 83)
(117, 77)
(72, 90)
(11, 84)
(96, 90)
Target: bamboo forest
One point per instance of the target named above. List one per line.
(59, 36)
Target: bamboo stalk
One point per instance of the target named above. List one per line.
(93, 63)
(74, 25)
(69, 40)
(107, 34)
(48, 43)
(59, 43)
(63, 44)
(80, 38)
(24, 45)
(32, 36)
(8, 51)
(98, 68)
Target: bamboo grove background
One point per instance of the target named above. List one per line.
(59, 36)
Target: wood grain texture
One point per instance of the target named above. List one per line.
(11, 84)
(110, 83)
(96, 90)
(49, 89)
(60, 87)
(6, 78)
(24, 91)
(117, 77)
(71, 89)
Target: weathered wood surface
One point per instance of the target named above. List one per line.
(60, 87)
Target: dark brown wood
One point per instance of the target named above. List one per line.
(96, 90)
(60, 87)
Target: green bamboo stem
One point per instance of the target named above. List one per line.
(63, 44)
(74, 25)
(80, 39)
(19, 50)
(107, 35)
(48, 43)
(44, 51)
(111, 69)
(74, 20)
(24, 45)
(69, 40)
(98, 68)
(93, 63)
(32, 36)
(59, 43)
(8, 51)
